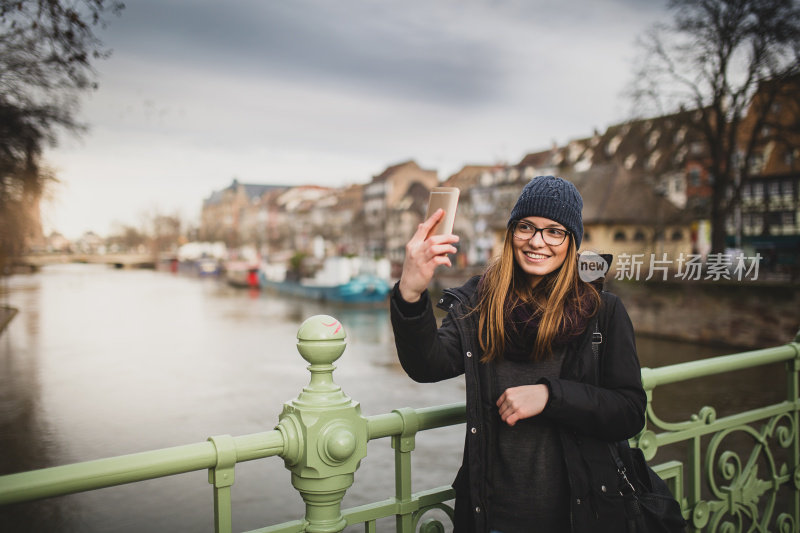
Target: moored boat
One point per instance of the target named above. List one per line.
(342, 280)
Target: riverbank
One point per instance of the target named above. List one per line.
(738, 314)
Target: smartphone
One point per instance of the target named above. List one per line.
(447, 199)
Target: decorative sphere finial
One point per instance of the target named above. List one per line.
(320, 339)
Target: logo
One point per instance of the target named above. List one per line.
(591, 266)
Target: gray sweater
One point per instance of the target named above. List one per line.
(529, 488)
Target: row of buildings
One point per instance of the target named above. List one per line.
(645, 187)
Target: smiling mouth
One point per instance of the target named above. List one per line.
(535, 256)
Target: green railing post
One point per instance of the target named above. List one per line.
(793, 391)
(222, 477)
(324, 431)
(403, 445)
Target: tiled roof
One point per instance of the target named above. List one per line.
(468, 176)
(614, 195)
(383, 176)
(538, 159)
(251, 190)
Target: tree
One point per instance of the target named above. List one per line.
(729, 60)
(126, 238)
(46, 52)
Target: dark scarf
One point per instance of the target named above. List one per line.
(522, 327)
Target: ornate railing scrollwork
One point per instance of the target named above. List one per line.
(739, 506)
(785, 523)
(707, 415)
(432, 525)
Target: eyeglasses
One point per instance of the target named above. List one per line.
(552, 236)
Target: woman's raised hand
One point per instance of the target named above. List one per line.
(424, 252)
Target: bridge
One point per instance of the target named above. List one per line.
(118, 260)
(739, 472)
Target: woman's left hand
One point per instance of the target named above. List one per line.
(521, 402)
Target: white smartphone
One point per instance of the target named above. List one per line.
(447, 199)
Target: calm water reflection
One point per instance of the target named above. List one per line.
(103, 362)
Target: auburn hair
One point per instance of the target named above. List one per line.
(561, 300)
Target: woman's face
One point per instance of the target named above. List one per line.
(534, 256)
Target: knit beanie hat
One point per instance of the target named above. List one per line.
(553, 198)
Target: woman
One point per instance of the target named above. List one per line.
(540, 407)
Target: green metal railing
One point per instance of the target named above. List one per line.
(322, 437)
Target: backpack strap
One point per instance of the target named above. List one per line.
(597, 339)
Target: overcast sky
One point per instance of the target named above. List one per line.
(199, 92)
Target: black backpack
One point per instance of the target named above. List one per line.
(649, 505)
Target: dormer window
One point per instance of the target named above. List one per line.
(613, 144)
(680, 135)
(575, 150)
(585, 162)
(630, 161)
(680, 155)
(652, 139)
(652, 161)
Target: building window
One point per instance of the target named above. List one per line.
(677, 235)
(788, 188)
(756, 164)
(774, 189)
(746, 192)
(787, 219)
(694, 177)
(587, 236)
(638, 236)
(758, 191)
(619, 236)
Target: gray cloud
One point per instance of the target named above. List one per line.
(406, 54)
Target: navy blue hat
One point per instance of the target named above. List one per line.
(553, 198)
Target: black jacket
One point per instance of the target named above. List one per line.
(588, 416)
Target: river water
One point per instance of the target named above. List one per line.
(102, 362)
